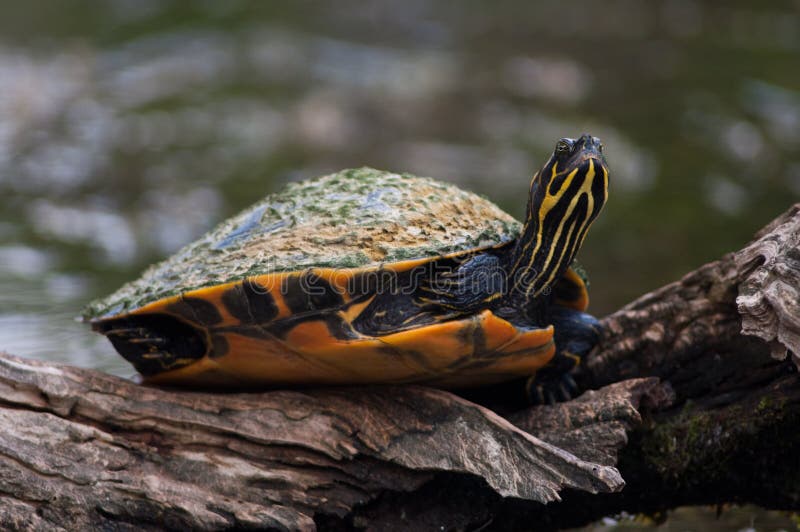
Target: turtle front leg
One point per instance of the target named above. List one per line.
(576, 333)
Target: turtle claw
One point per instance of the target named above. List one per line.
(572, 386)
(551, 389)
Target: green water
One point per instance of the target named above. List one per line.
(128, 128)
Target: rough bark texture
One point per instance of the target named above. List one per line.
(687, 408)
(100, 449)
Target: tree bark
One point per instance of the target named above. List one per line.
(696, 400)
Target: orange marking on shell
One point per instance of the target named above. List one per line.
(437, 346)
(273, 284)
(355, 310)
(152, 308)
(340, 281)
(441, 355)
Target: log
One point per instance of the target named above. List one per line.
(694, 399)
(104, 450)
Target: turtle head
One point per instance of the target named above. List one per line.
(566, 195)
(571, 186)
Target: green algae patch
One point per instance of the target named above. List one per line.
(355, 218)
(696, 440)
(677, 445)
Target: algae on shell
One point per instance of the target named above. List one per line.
(352, 218)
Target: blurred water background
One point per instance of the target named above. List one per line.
(130, 127)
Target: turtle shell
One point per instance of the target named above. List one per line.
(269, 298)
(351, 219)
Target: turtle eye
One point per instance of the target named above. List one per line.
(564, 146)
(600, 147)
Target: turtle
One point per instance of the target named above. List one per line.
(372, 277)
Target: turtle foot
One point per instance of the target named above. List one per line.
(547, 388)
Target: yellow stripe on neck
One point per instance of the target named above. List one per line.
(550, 201)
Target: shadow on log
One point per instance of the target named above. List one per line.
(686, 408)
